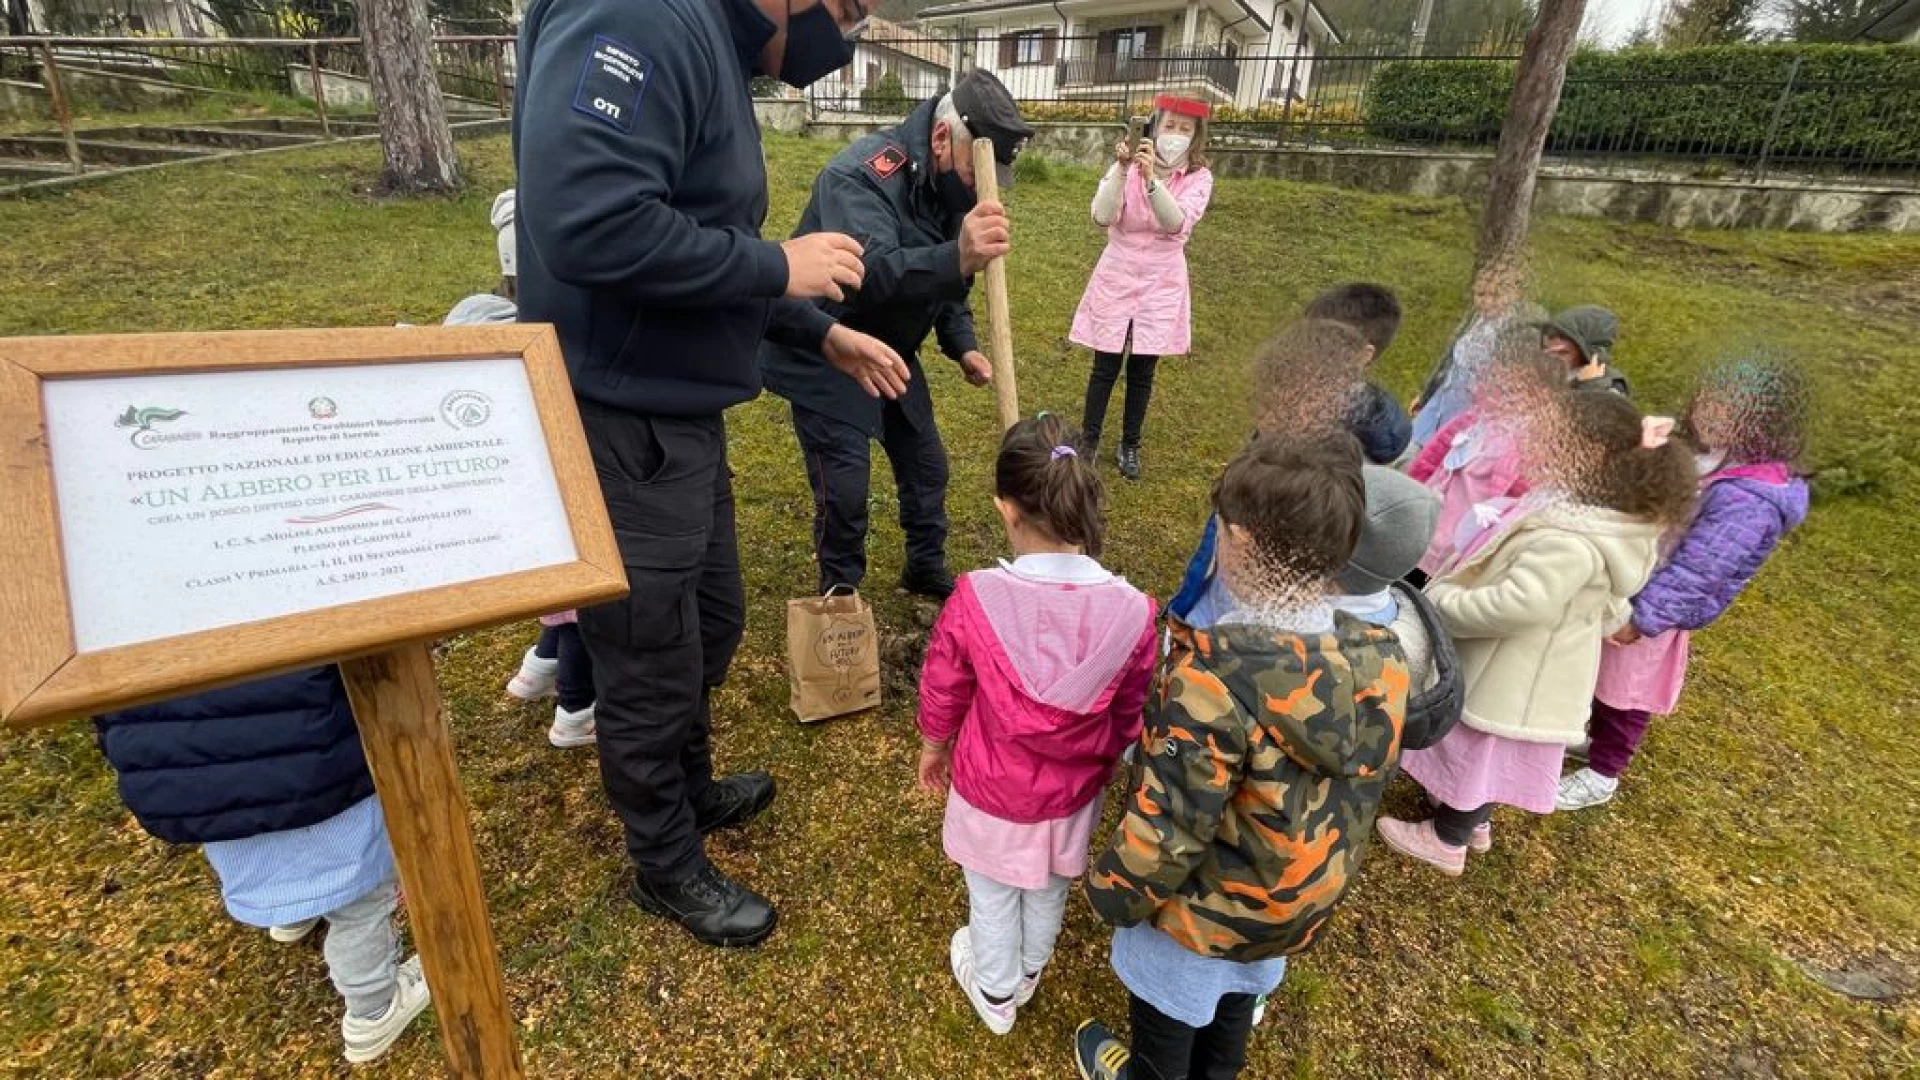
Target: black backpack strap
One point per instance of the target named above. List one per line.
(1431, 711)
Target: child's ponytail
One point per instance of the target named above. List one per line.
(1040, 470)
(1633, 466)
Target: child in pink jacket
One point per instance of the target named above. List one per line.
(1036, 677)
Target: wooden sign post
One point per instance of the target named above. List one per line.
(1006, 388)
(194, 510)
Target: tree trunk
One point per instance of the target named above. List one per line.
(19, 18)
(1516, 165)
(398, 36)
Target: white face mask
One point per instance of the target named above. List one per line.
(1172, 148)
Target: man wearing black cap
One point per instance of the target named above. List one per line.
(907, 195)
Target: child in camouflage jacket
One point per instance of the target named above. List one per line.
(1261, 767)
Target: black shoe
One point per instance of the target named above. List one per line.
(734, 801)
(711, 906)
(1099, 1055)
(1130, 460)
(935, 583)
(1090, 446)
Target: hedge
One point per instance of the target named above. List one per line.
(1848, 102)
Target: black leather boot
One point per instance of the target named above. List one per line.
(735, 800)
(711, 906)
(935, 582)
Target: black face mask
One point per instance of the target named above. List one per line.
(815, 47)
(954, 193)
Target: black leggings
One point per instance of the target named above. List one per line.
(1455, 827)
(1166, 1049)
(1106, 372)
(574, 681)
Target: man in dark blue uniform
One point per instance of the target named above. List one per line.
(907, 195)
(642, 189)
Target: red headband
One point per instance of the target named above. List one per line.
(1180, 106)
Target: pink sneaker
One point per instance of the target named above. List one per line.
(1482, 841)
(1416, 840)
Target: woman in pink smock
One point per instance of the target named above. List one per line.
(1137, 305)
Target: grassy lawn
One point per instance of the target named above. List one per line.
(1771, 826)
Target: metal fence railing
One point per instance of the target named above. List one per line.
(133, 74)
(1742, 125)
(1864, 130)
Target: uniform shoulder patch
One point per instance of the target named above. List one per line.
(612, 83)
(890, 160)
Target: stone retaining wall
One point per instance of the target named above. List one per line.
(1564, 188)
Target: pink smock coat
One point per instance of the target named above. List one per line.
(1141, 279)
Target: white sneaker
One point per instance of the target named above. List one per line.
(292, 932)
(571, 729)
(1583, 789)
(998, 1018)
(368, 1039)
(536, 677)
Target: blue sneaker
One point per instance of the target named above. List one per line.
(1099, 1054)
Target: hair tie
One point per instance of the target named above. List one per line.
(1063, 451)
(1654, 431)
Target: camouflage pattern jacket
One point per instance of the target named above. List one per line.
(1261, 768)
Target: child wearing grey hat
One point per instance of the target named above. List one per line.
(1401, 515)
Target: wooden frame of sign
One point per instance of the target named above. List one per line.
(416, 511)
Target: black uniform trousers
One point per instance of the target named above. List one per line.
(839, 460)
(659, 653)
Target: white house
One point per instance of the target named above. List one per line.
(923, 64)
(1230, 52)
(113, 18)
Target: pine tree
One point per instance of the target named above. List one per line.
(1694, 23)
(1826, 20)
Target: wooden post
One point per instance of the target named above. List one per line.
(50, 74)
(319, 90)
(1006, 390)
(410, 753)
(1516, 164)
(500, 78)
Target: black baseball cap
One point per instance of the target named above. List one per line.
(989, 112)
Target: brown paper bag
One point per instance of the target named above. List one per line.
(833, 655)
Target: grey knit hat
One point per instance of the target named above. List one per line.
(1401, 514)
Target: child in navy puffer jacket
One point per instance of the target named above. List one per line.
(1746, 419)
(270, 777)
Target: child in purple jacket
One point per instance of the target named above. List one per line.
(1746, 419)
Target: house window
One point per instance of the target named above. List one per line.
(1133, 41)
(1286, 20)
(873, 73)
(1120, 50)
(1028, 47)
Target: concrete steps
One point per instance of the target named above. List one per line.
(95, 151)
(21, 171)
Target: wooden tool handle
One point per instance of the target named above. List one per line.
(1006, 387)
